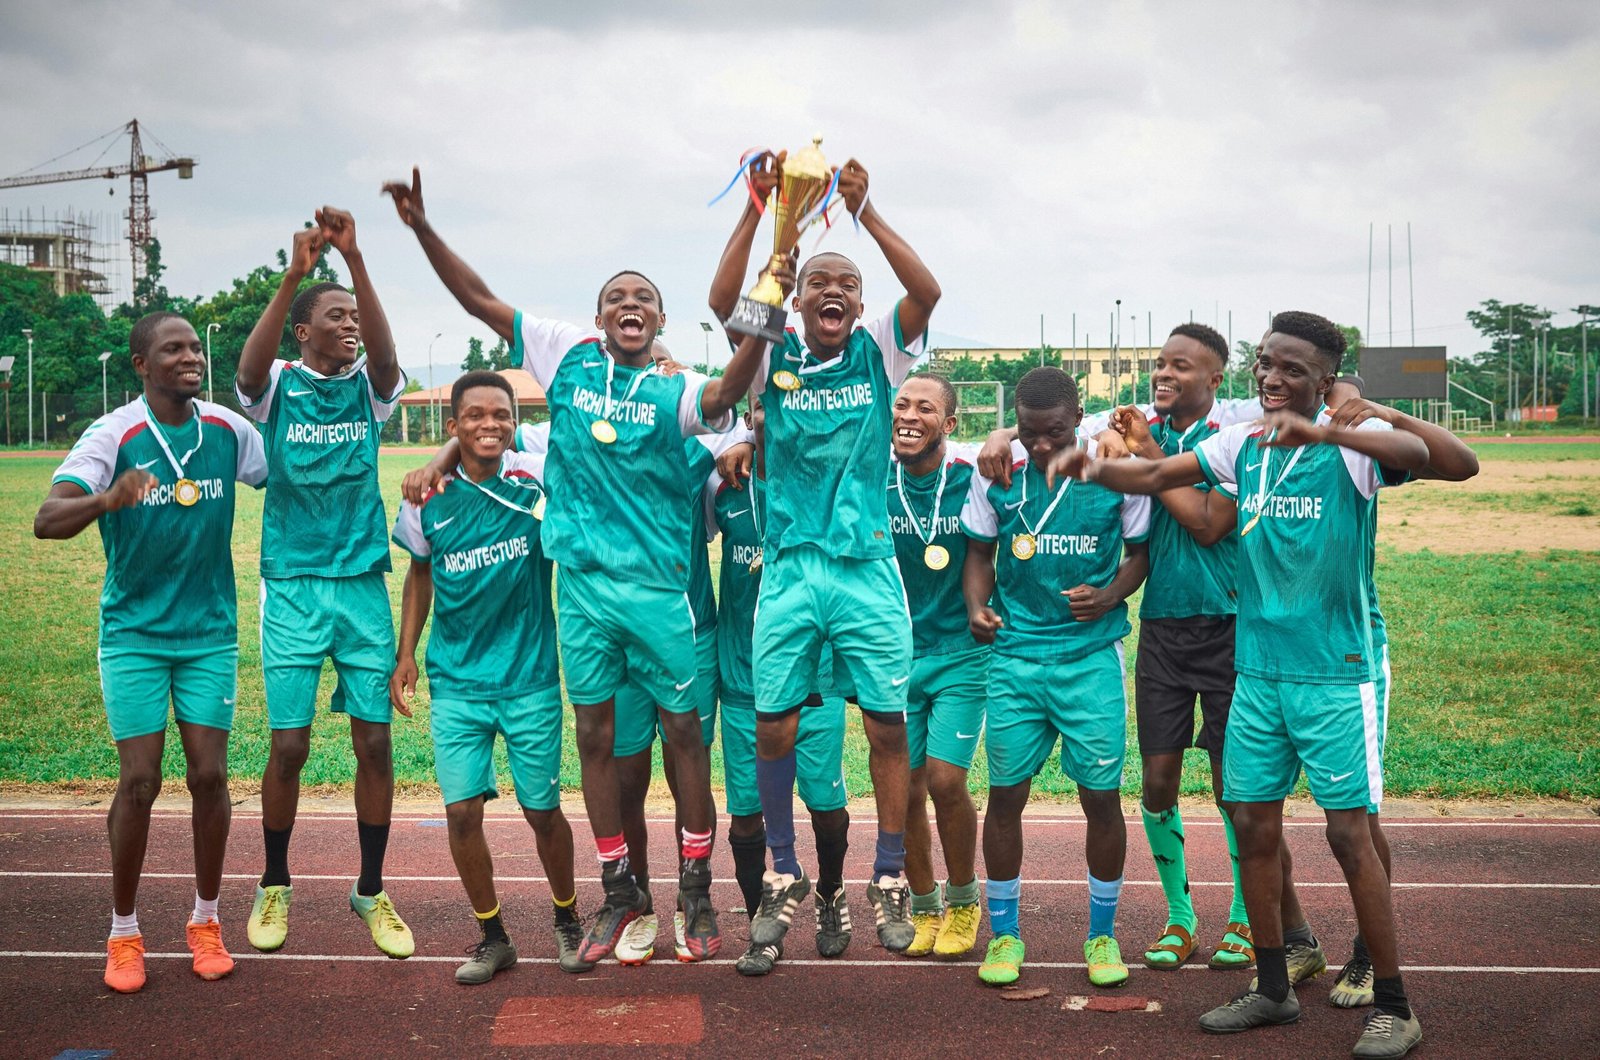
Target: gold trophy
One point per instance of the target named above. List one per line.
(803, 183)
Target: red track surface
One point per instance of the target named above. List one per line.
(1466, 899)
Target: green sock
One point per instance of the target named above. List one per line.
(1165, 832)
(1236, 912)
(961, 893)
(932, 902)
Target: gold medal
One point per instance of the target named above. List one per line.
(1251, 525)
(603, 431)
(538, 508)
(755, 564)
(937, 557)
(785, 380)
(186, 492)
(1023, 546)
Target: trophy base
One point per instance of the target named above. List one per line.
(759, 319)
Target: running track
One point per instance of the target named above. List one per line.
(1499, 921)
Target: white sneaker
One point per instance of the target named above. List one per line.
(680, 948)
(638, 942)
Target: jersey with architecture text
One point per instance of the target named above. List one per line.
(924, 511)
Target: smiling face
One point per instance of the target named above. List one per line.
(175, 363)
(922, 419)
(630, 314)
(1186, 377)
(332, 334)
(1045, 432)
(828, 298)
(483, 423)
(1291, 374)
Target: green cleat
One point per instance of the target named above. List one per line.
(1104, 958)
(269, 918)
(388, 930)
(1002, 965)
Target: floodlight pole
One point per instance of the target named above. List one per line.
(705, 327)
(27, 333)
(432, 418)
(210, 395)
(105, 402)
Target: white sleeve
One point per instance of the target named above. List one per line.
(1238, 410)
(528, 462)
(408, 532)
(252, 460)
(383, 406)
(689, 419)
(532, 438)
(541, 344)
(1135, 517)
(977, 514)
(966, 452)
(92, 461)
(899, 355)
(261, 407)
(1096, 424)
(1219, 454)
(723, 441)
(708, 499)
(1364, 470)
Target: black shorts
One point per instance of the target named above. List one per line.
(1180, 659)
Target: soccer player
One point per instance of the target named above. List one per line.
(157, 475)
(618, 525)
(829, 577)
(1054, 608)
(324, 555)
(492, 664)
(1306, 696)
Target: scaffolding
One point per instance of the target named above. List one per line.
(65, 246)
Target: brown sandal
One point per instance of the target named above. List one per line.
(1183, 951)
(1247, 949)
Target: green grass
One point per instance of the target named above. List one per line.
(1531, 453)
(1495, 689)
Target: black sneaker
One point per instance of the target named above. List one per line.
(889, 897)
(833, 924)
(781, 895)
(1387, 1036)
(623, 905)
(484, 959)
(569, 938)
(759, 959)
(701, 938)
(1249, 1010)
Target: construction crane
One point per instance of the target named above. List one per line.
(137, 170)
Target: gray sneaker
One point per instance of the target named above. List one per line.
(1304, 962)
(759, 959)
(569, 936)
(1387, 1036)
(1354, 987)
(889, 897)
(485, 959)
(833, 924)
(1250, 1010)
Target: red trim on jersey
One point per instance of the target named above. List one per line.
(1259, 431)
(133, 432)
(517, 472)
(1019, 465)
(217, 421)
(958, 461)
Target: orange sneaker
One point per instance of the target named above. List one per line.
(125, 964)
(211, 960)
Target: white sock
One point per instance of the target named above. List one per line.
(123, 926)
(205, 911)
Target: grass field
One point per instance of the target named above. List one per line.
(1496, 689)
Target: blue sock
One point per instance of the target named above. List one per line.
(1002, 897)
(1103, 906)
(775, 783)
(890, 859)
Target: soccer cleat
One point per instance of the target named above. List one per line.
(701, 936)
(624, 903)
(1002, 965)
(211, 959)
(1104, 958)
(637, 944)
(389, 932)
(1305, 961)
(833, 924)
(958, 933)
(269, 918)
(125, 964)
(680, 947)
(889, 897)
(759, 959)
(1353, 988)
(1250, 1010)
(1387, 1037)
(484, 959)
(569, 936)
(781, 895)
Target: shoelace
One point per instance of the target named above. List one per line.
(1245, 999)
(209, 941)
(271, 906)
(387, 914)
(572, 931)
(1380, 1023)
(1356, 972)
(963, 916)
(772, 901)
(478, 949)
(124, 953)
(895, 901)
(830, 915)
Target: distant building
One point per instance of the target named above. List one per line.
(62, 247)
(1096, 368)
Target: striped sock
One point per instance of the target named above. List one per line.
(695, 844)
(611, 848)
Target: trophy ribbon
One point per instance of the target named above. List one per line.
(746, 162)
(805, 186)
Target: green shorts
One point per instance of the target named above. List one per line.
(309, 618)
(613, 633)
(945, 707)
(819, 757)
(636, 721)
(463, 747)
(1336, 733)
(1084, 702)
(137, 683)
(858, 606)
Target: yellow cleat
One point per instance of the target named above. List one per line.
(958, 932)
(269, 918)
(388, 930)
(927, 925)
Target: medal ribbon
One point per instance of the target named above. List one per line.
(611, 369)
(462, 475)
(1262, 492)
(1022, 509)
(180, 467)
(938, 498)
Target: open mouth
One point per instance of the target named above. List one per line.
(909, 435)
(350, 342)
(831, 312)
(189, 376)
(1165, 390)
(1272, 399)
(630, 325)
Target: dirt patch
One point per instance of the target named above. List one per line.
(1444, 517)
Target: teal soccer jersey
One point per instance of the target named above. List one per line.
(324, 512)
(925, 519)
(621, 498)
(1071, 536)
(740, 515)
(169, 566)
(827, 437)
(494, 632)
(1307, 523)
(702, 458)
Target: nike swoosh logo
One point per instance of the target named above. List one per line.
(144, 465)
(836, 783)
(686, 684)
(592, 364)
(1105, 761)
(898, 681)
(1252, 467)
(297, 393)
(966, 736)
(1013, 507)
(442, 523)
(735, 515)
(227, 702)
(707, 717)
(1340, 777)
(554, 780)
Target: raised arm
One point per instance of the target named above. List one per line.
(417, 484)
(723, 392)
(1127, 476)
(254, 371)
(459, 279)
(68, 510)
(735, 261)
(1205, 514)
(922, 290)
(1400, 450)
(1449, 457)
(383, 367)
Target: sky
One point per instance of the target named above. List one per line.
(1045, 159)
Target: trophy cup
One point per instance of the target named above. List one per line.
(802, 185)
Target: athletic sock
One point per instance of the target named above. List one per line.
(611, 848)
(775, 783)
(1236, 911)
(694, 844)
(1358, 949)
(277, 844)
(961, 893)
(932, 902)
(374, 843)
(1003, 897)
(749, 865)
(565, 912)
(1164, 830)
(1103, 895)
(832, 845)
(489, 923)
(1389, 995)
(205, 910)
(1300, 936)
(124, 926)
(890, 859)
(1272, 973)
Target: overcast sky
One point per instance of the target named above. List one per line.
(1042, 157)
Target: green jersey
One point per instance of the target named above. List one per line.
(740, 516)
(324, 511)
(925, 518)
(494, 631)
(702, 459)
(827, 436)
(169, 565)
(621, 498)
(1070, 536)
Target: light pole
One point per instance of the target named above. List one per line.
(209, 329)
(5, 366)
(707, 329)
(105, 404)
(431, 416)
(27, 333)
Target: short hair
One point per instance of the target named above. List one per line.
(1047, 388)
(144, 331)
(824, 254)
(946, 390)
(1208, 337)
(660, 302)
(305, 303)
(1321, 332)
(481, 377)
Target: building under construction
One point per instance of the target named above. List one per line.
(63, 245)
